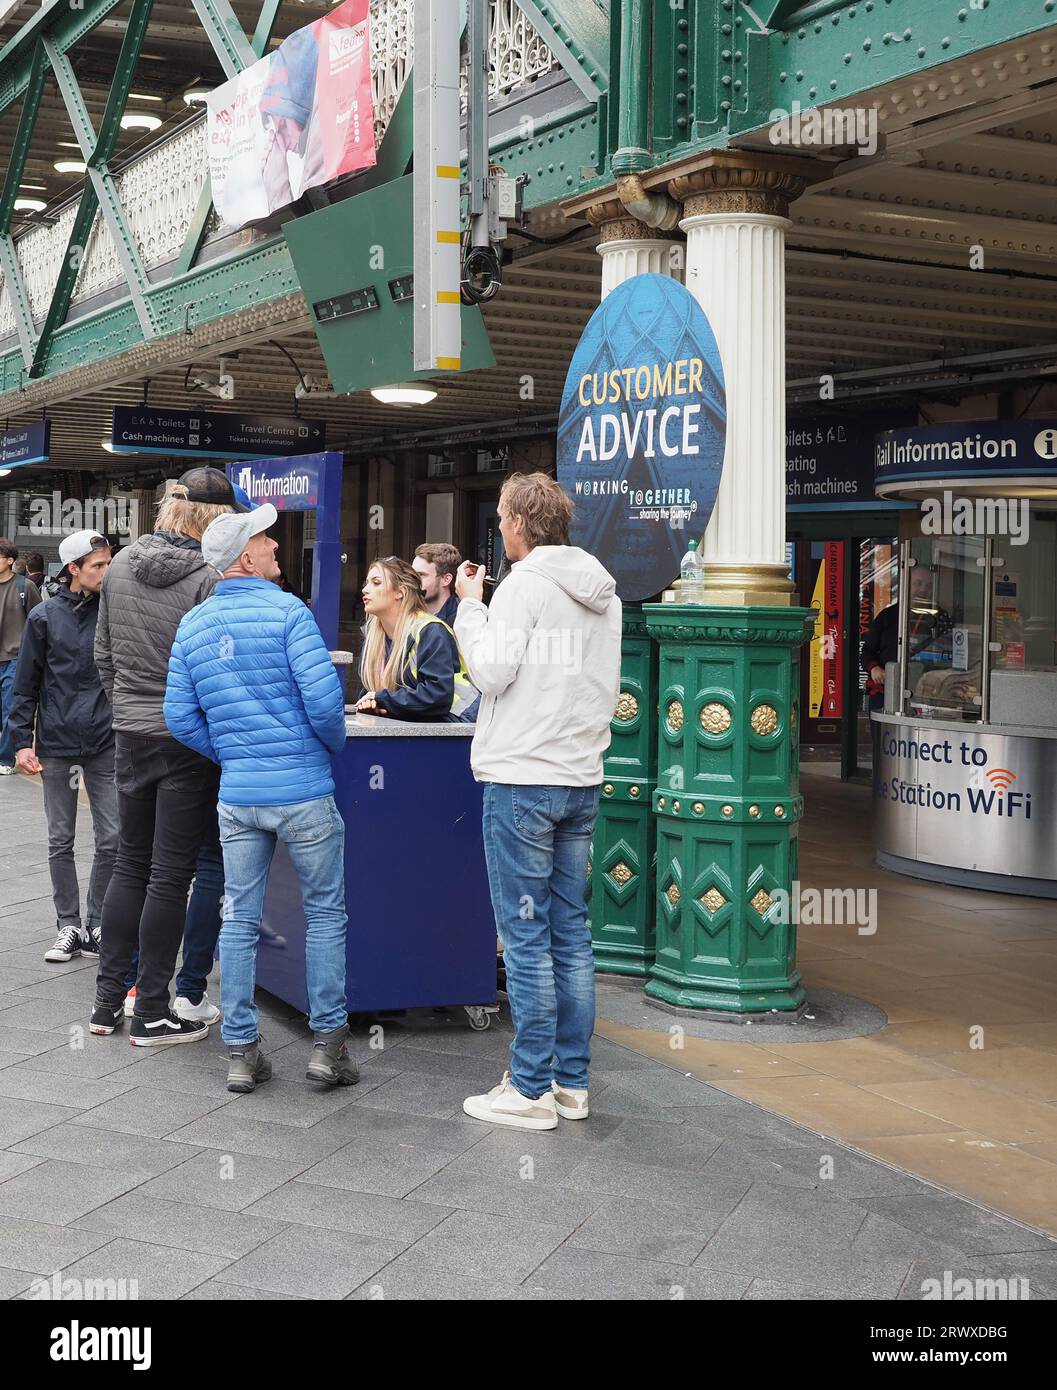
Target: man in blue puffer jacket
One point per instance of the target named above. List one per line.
(251, 685)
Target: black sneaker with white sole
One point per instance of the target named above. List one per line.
(105, 1018)
(90, 942)
(165, 1031)
(69, 942)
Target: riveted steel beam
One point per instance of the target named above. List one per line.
(16, 287)
(64, 23)
(577, 34)
(225, 34)
(199, 221)
(99, 188)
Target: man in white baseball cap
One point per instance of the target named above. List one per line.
(251, 685)
(59, 706)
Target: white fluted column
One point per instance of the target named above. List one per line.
(639, 256)
(735, 268)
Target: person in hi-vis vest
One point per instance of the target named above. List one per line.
(410, 667)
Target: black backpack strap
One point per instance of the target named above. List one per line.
(20, 580)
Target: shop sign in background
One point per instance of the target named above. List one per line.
(966, 449)
(829, 462)
(642, 431)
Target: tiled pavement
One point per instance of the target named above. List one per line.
(119, 1164)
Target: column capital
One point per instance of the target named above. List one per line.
(729, 181)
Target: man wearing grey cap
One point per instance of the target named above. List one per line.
(251, 686)
(59, 706)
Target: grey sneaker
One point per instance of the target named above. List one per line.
(247, 1065)
(330, 1063)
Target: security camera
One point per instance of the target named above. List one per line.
(220, 384)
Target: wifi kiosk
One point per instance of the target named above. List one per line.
(965, 781)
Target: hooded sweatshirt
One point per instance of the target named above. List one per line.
(546, 657)
(148, 588)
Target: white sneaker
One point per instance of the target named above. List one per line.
(570, 1105)
(6, 770)
(503, 1105)
(196, 1013)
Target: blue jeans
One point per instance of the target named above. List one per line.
(314, 835)
(7, 681)
(536, 841)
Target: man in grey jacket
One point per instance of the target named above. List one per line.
(166, 792)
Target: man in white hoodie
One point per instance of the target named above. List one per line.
(546, 657)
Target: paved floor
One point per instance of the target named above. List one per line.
(120, 1165)
(960, 1085)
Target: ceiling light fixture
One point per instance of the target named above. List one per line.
(144, 96)
(30, 205)
(139, 120)
(403, 395)
(4, 472)
(196, 95)
(69, 166)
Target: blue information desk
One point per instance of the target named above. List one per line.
(421, 929)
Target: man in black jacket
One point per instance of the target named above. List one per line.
(59, 700)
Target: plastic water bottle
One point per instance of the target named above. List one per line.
(691, 576)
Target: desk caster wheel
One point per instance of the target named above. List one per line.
(478, 1017)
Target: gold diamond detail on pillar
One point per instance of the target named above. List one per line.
(621, 874)
(627, 707)
(715, 718)
(672, 894)
(675, 716)
(713, 900)
(762, 902)
(764, 719)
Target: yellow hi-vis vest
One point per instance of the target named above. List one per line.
(465, 691)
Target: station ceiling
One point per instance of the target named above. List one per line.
(880, 292)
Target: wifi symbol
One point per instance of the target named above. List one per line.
(1001, 777)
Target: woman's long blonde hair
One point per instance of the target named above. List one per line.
(376, 672)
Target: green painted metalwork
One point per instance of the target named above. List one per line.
(99, 186)
(64, 23)
(576, 33)
(225, 35)
(554, 161)
(727, 805)
(8, 256)
(623, 862)
(633, 118)
(249, 279)
(200, 219)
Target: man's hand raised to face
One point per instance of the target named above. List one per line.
(469, 581)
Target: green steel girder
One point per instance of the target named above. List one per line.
(200, 219)
(225, 34)
(250, 279)
(64, 23)
(8, 256)
(557, 161)
(833, 50)
(99, 188)
(577, 33)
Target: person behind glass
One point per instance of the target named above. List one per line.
(410, 666)
(925, 623)
(437, 564)
(251, 686)
(167, 794)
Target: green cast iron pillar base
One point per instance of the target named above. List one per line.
(622, 884)
(727, 805)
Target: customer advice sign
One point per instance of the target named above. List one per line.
(642, 431)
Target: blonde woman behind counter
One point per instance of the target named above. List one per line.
(410, 667)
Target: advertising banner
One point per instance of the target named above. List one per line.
(295, 120)
(833, 630)
(641, 432)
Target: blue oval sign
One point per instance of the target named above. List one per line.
(641, 432)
